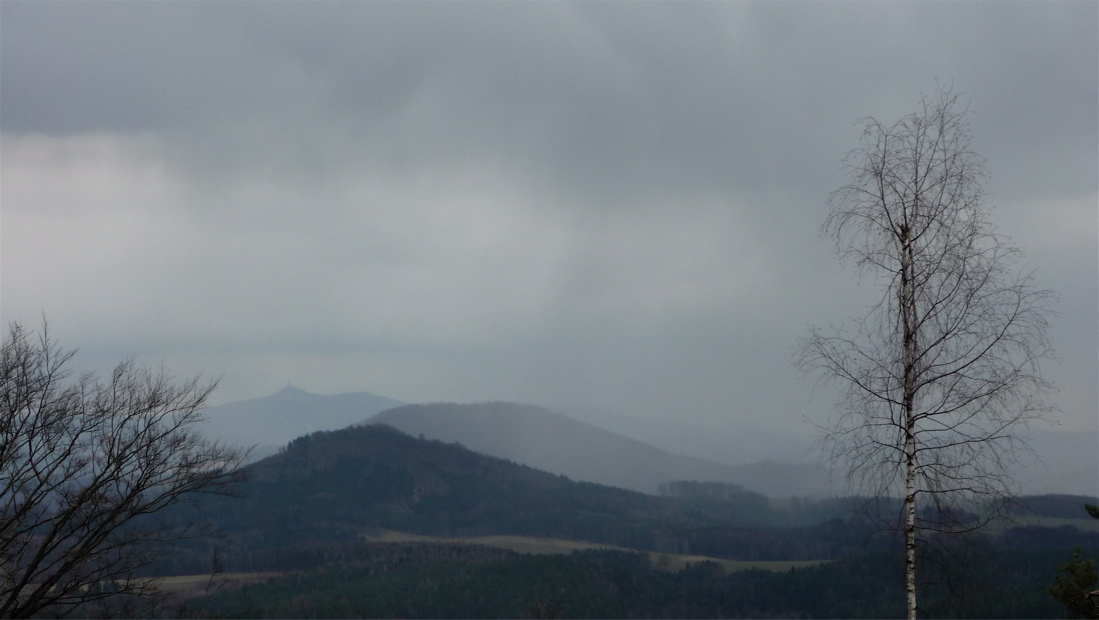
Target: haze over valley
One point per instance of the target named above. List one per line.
(549, 308)
(612, 449)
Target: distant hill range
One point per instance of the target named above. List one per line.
(552, 442)
(614, 449)
(341, 485)
(270, 422)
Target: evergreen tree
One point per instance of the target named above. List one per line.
(1076, 585)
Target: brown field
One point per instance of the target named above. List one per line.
(197, 585)
(545, 546)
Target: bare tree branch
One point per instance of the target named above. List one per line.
(85, 467)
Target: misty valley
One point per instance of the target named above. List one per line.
(749, 309)
(361, 506)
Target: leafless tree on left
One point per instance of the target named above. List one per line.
(87, 467)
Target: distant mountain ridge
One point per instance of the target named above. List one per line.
(556, 443)
(607, 448)
(272, 421)
(739, 442)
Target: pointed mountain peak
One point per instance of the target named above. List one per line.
(291, 392)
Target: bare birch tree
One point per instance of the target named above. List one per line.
(85, 468)
(942, 373)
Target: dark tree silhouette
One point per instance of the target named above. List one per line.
(1076, 583)
(86, 469)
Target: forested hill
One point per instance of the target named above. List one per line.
(345, 483)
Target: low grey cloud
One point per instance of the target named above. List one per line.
(612, 204)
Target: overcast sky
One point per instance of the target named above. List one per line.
(610, 204)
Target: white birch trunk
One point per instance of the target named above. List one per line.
(910, 524)
(910, 343)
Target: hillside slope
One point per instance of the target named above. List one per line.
(737, 442)
(559, 444)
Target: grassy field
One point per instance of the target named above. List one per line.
(544, 546)
(196, 585)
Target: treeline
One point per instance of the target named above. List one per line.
(449, 581)
(220, 558)
(826, 541)
(241, 552)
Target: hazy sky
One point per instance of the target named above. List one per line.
(613, 204)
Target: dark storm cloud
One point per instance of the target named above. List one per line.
(507, 200)
(600, 98)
